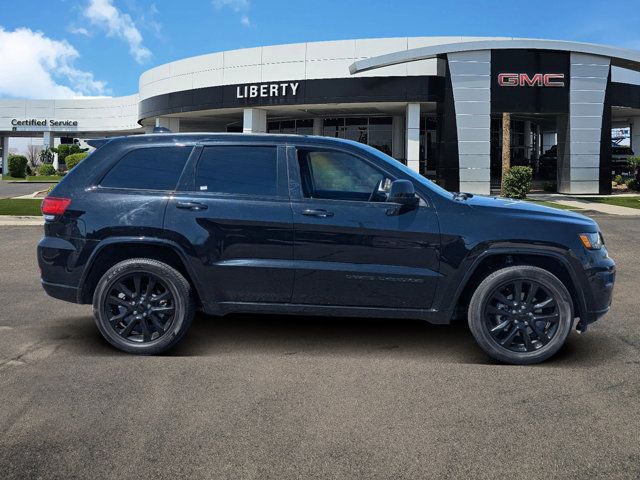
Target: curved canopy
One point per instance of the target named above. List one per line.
(620, 57)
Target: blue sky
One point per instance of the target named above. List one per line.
(65, 48)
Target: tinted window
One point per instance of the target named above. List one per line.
(340, 176)
(155, 168)
(238, 170)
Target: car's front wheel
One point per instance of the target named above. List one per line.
(143, 306)
(521, 314)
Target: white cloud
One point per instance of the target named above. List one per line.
(104, 14)
(78, 30)
(235, 5)
(35, 66)
(238, 6)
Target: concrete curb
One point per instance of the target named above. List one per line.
(15, 220)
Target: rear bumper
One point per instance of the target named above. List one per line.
(61, 292)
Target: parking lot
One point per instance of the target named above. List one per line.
(298, 397)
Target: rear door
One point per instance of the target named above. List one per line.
(351, 248)
(232, 213)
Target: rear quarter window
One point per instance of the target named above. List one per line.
(151, 168)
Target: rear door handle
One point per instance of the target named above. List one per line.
(191, 206)
(317, 213)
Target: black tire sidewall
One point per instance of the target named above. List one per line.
(178, 287)
(520, 272)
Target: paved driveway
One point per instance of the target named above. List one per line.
(10, 189)
(290, 397)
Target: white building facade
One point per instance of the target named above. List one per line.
(434, 103)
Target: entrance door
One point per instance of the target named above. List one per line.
(350, 248)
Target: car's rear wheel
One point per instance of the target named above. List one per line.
(521, 314)
(143, 306)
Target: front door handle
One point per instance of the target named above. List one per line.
(191, 206)
(317, 213)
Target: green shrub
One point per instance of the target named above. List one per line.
(74, 159)
(550, 187)
(17, 166)
(617, 179)
(65, 150)
(632, 184)
(517, 182)
(46, 169)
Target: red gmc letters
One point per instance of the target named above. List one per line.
(536, 80)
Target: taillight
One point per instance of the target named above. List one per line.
(54, 206)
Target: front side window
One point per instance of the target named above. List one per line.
(240, 170)
(341, 176)
(152, 168)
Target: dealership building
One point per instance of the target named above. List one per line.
(433, 103)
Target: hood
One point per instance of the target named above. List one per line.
(521, 208)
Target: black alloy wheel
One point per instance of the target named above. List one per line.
(140, 307)
(521, 314)
(143, 306)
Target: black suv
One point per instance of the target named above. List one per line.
(151, 228)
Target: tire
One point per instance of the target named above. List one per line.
(143, 306)
(504, 319)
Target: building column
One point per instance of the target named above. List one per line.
(634, 123)
(317, 126)
(527, 140)
(4, 146)
(471, 84)
(579, 169)
(172, 123)
(254, 120)
(412, 132)
(397, 139)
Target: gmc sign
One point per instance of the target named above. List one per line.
(537, 80)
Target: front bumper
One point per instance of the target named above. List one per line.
(601, 282)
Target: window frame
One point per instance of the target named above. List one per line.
(295, 175)
(187, 184)
(128, 151)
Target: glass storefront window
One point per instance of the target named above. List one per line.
(291, 127)
(374, 131)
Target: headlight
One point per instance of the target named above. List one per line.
(592, 241)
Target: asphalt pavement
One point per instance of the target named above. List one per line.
(15, 189)
(258, 397)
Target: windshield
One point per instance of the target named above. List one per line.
(413, 174)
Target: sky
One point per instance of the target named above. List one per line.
(67, 49)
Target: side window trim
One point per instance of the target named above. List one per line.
(187, 185)
(125, 153)
(295, 178)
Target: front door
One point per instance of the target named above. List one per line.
(232, 214)
(351, 248)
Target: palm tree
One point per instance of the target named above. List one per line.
(506, 147)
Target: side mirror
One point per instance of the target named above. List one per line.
(403, 193)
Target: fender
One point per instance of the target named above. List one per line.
(475, 258)
(143, 241)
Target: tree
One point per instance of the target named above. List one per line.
(33, 154)
(46, 155)
(506, 147)
(65, 150)
(634, 165)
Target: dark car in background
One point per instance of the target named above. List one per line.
(152, 228)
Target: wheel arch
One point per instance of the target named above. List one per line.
(493, 260)
(114, 250)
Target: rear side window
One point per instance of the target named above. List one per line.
(237, 170)
(153, 168)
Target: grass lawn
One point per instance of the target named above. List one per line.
(35, 179)
(19, 206)
(550, 204)
(631, 202)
